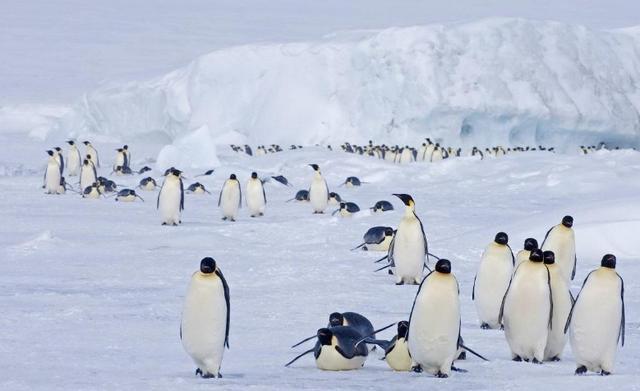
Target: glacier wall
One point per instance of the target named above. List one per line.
(496, 81)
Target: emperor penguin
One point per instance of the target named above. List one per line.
(382, 206)
(596, 321)
(406, 156)
(347, 209)
(52, 174)
(526, 311)
(352, 319)
(148, 184)
(92, 152)
(120, 160)
(319, 191)
(256, 196)
(230, 198)
(88, 174)
(171, 198)
(396, 351)
(336, 349)
(377, 238)
(530, 244)
(562, 302)
(561, 240)
(92, 191)
(204, 329)
(492, 280)
(434, 323)
(428, 151)
(334, 198)
(74, 159)
(127, 195)
(409, 247)
(437, 153)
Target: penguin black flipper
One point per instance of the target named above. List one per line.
(61, 163)
(343, 353)
(385, 345)
(227, 299)
(126, 161)
(566, 326)
(264, 195)
(504, 298)
(575, 262)
(414, 302)
(220, 196)
(473, 291)
(181, 195)
(159, 195)
(621, 333)
(547, 235)
(424, 237)
(513, 258)
(550, 299)
(392, 246)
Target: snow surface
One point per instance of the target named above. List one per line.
(496, 81)
(93, 289)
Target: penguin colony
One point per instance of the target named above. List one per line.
(527, 295)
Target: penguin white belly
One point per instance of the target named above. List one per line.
(523, 255)
(52, 182)
(406, 156)
(73, 163)
(149, 186)
(94, 194)
(429, 152)
(435, 325)
(557, 339)
(319, 195)
(382, 246)
(408, 252)
(526, 314)
(230, 201)
(436, 156)
(595, 322)
(422, 154)
(390, 156)
(398, 358)
(491, 284)
(330, 360)
(562, 242)
(86, 177)
(198, 190)
(170, 201)
(127, 198)
(94, 155)
(255, 198)
(119, 161)
(204, 323)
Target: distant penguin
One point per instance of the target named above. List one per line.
(434, 323)
(91, 151)
(347, 209)
(377, 239)
(52, 174)
(148, 184)
(256, 196)
(596, 322)
(382, 206)
(87, 174)
(409, 247)
(352, 181)
(204, 329)
(197, 188)
(334, 198)
(396, 351)
(230, 199)
(336, 349)
(429, 151)
(74, 159)
(561, 240)
(301, 195)
(526, 311)
(530, 244)
(492, 280)
(144, 169)
(318, 191)
(406, 156)
(561, 306)
(437, 154)
(92, 191)
(127, 195)
(120, 159)
(171, 198)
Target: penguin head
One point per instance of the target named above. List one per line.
(88, 157)
(336, 319)
(50, 152)
(254, 175)
(232, 177)
(536, 255)
(176, 172)
(125, 147)
(343, 205)
(169, 171)
(70, 142)
(443, 266)
(119, 149)
(388, 231)
(86, 143)
(609, 261)
(85, 161)
(324, 336)
(549, 257)
(530, 244)
(406, 199)
(403, 329)
(58, 149)
(207, 265)
(567, 221)
(501, 238)
(315, 167)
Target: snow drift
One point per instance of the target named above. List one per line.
(497, 81)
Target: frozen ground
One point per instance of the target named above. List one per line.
(92, 290)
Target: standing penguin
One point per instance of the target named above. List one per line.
(434, 323)
(171, 198)
(492, 280)
(230, 198)
(561, 240)
(256, 197)
(74, 160)
(409, 247)
(91, 151)
(596, 321)
(526, 310)
(204, 330)
(88, 174)
(319, 191)
(530, 244)
(121, 159)
(52, 174)
(561, 306)
(336, 349)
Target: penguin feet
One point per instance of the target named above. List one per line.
(441, 375)
(175, 224)
(581, 370)
(389, 272)
(232, 220)
(605, 373)
(164, 223)
(253, 216)
(224, 219)
(517, 358)
(485, 326)
(260, 214)
(416, 369)
(208, 376)
(462, 356)
(536, 361)
(556, 358)
(400, 283)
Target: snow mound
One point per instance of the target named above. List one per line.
(496, 81)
